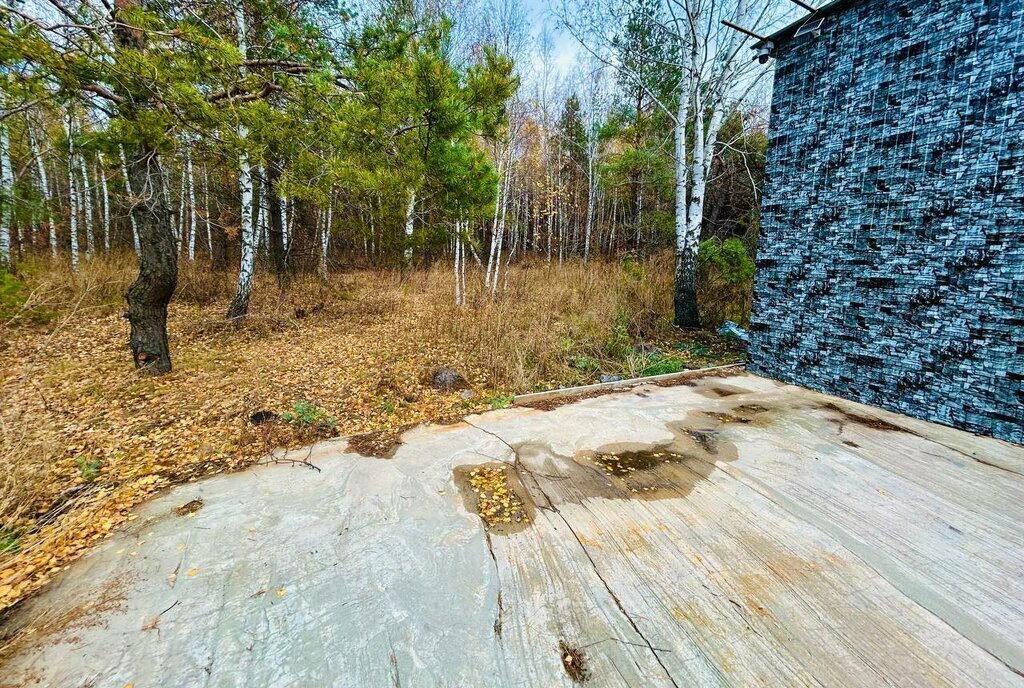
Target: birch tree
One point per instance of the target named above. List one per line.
(128, 192)
(714, 76)
(44, 188)
(102, 177)
(239, 307)
(6, 196)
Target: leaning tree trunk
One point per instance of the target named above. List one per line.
(151, 291)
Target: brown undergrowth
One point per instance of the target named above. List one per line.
(84, 438)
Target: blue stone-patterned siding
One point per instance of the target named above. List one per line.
(891, 259)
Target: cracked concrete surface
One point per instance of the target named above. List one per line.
(758, 534)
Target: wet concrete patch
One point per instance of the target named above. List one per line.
(666, 470)
(719, 390)
(381, 444)
(495, 493)
(866, 421)
(189, 507)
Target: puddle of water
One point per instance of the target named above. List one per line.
(495, 493)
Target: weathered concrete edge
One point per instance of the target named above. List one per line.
(618, 384)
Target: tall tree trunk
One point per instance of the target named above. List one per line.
(499, 193)
(72, 193)
(409, 221)
(151, 291)
(325, 239)
(102, 176)
(131, 200)
(86, 197)
(591, 192)
(206, 211)
(191, 186)
(239, 307)
(275, 215)
(6, 197)
(240, 303)
(44, 189)
(685, 292)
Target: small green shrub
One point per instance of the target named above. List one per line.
(585, 363)
(725, 282)
(305, 414)
(500, 402)
(659, 364)
(619, 344)
(693, 349)
(10, 542)
(88, 468)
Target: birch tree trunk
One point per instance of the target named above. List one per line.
(131, 199)
(72, 194)
(192, 217)
(456, 251)
(86, 196)
(409, 217)
(101, 175)
(685, 292)
(591, 187)
(498, 200)
(206, 211)
(239, 307)
(6, 197)
(44, 189)
(325, 240)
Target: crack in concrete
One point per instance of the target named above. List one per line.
(611, 593)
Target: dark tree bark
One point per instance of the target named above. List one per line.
(151, 291)
(275, 230)
(685, 293)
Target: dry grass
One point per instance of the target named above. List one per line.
(85, 438)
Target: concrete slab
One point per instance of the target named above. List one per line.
(728, 531)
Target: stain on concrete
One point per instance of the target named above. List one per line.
(494, 492)
(189, 507)
(574, 661)
(866, 421)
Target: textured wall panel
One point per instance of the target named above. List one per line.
(891, 263)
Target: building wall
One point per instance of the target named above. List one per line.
(891, 262)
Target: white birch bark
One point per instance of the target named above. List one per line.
(498, 192)
(72, 194)
(6, 196)
(261, 215)
(191, 187)
(101, 174)
(455, 252)
(86, 197)
(325, 240)
(247, 262)
(682, 167)
(44, 189)
(591, 193)
(180, 222)
(131, 198)
(409, 217)
(282, 208)
(206, 211)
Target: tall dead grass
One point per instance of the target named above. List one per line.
(554, 324)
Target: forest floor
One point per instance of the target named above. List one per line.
(85, 438)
